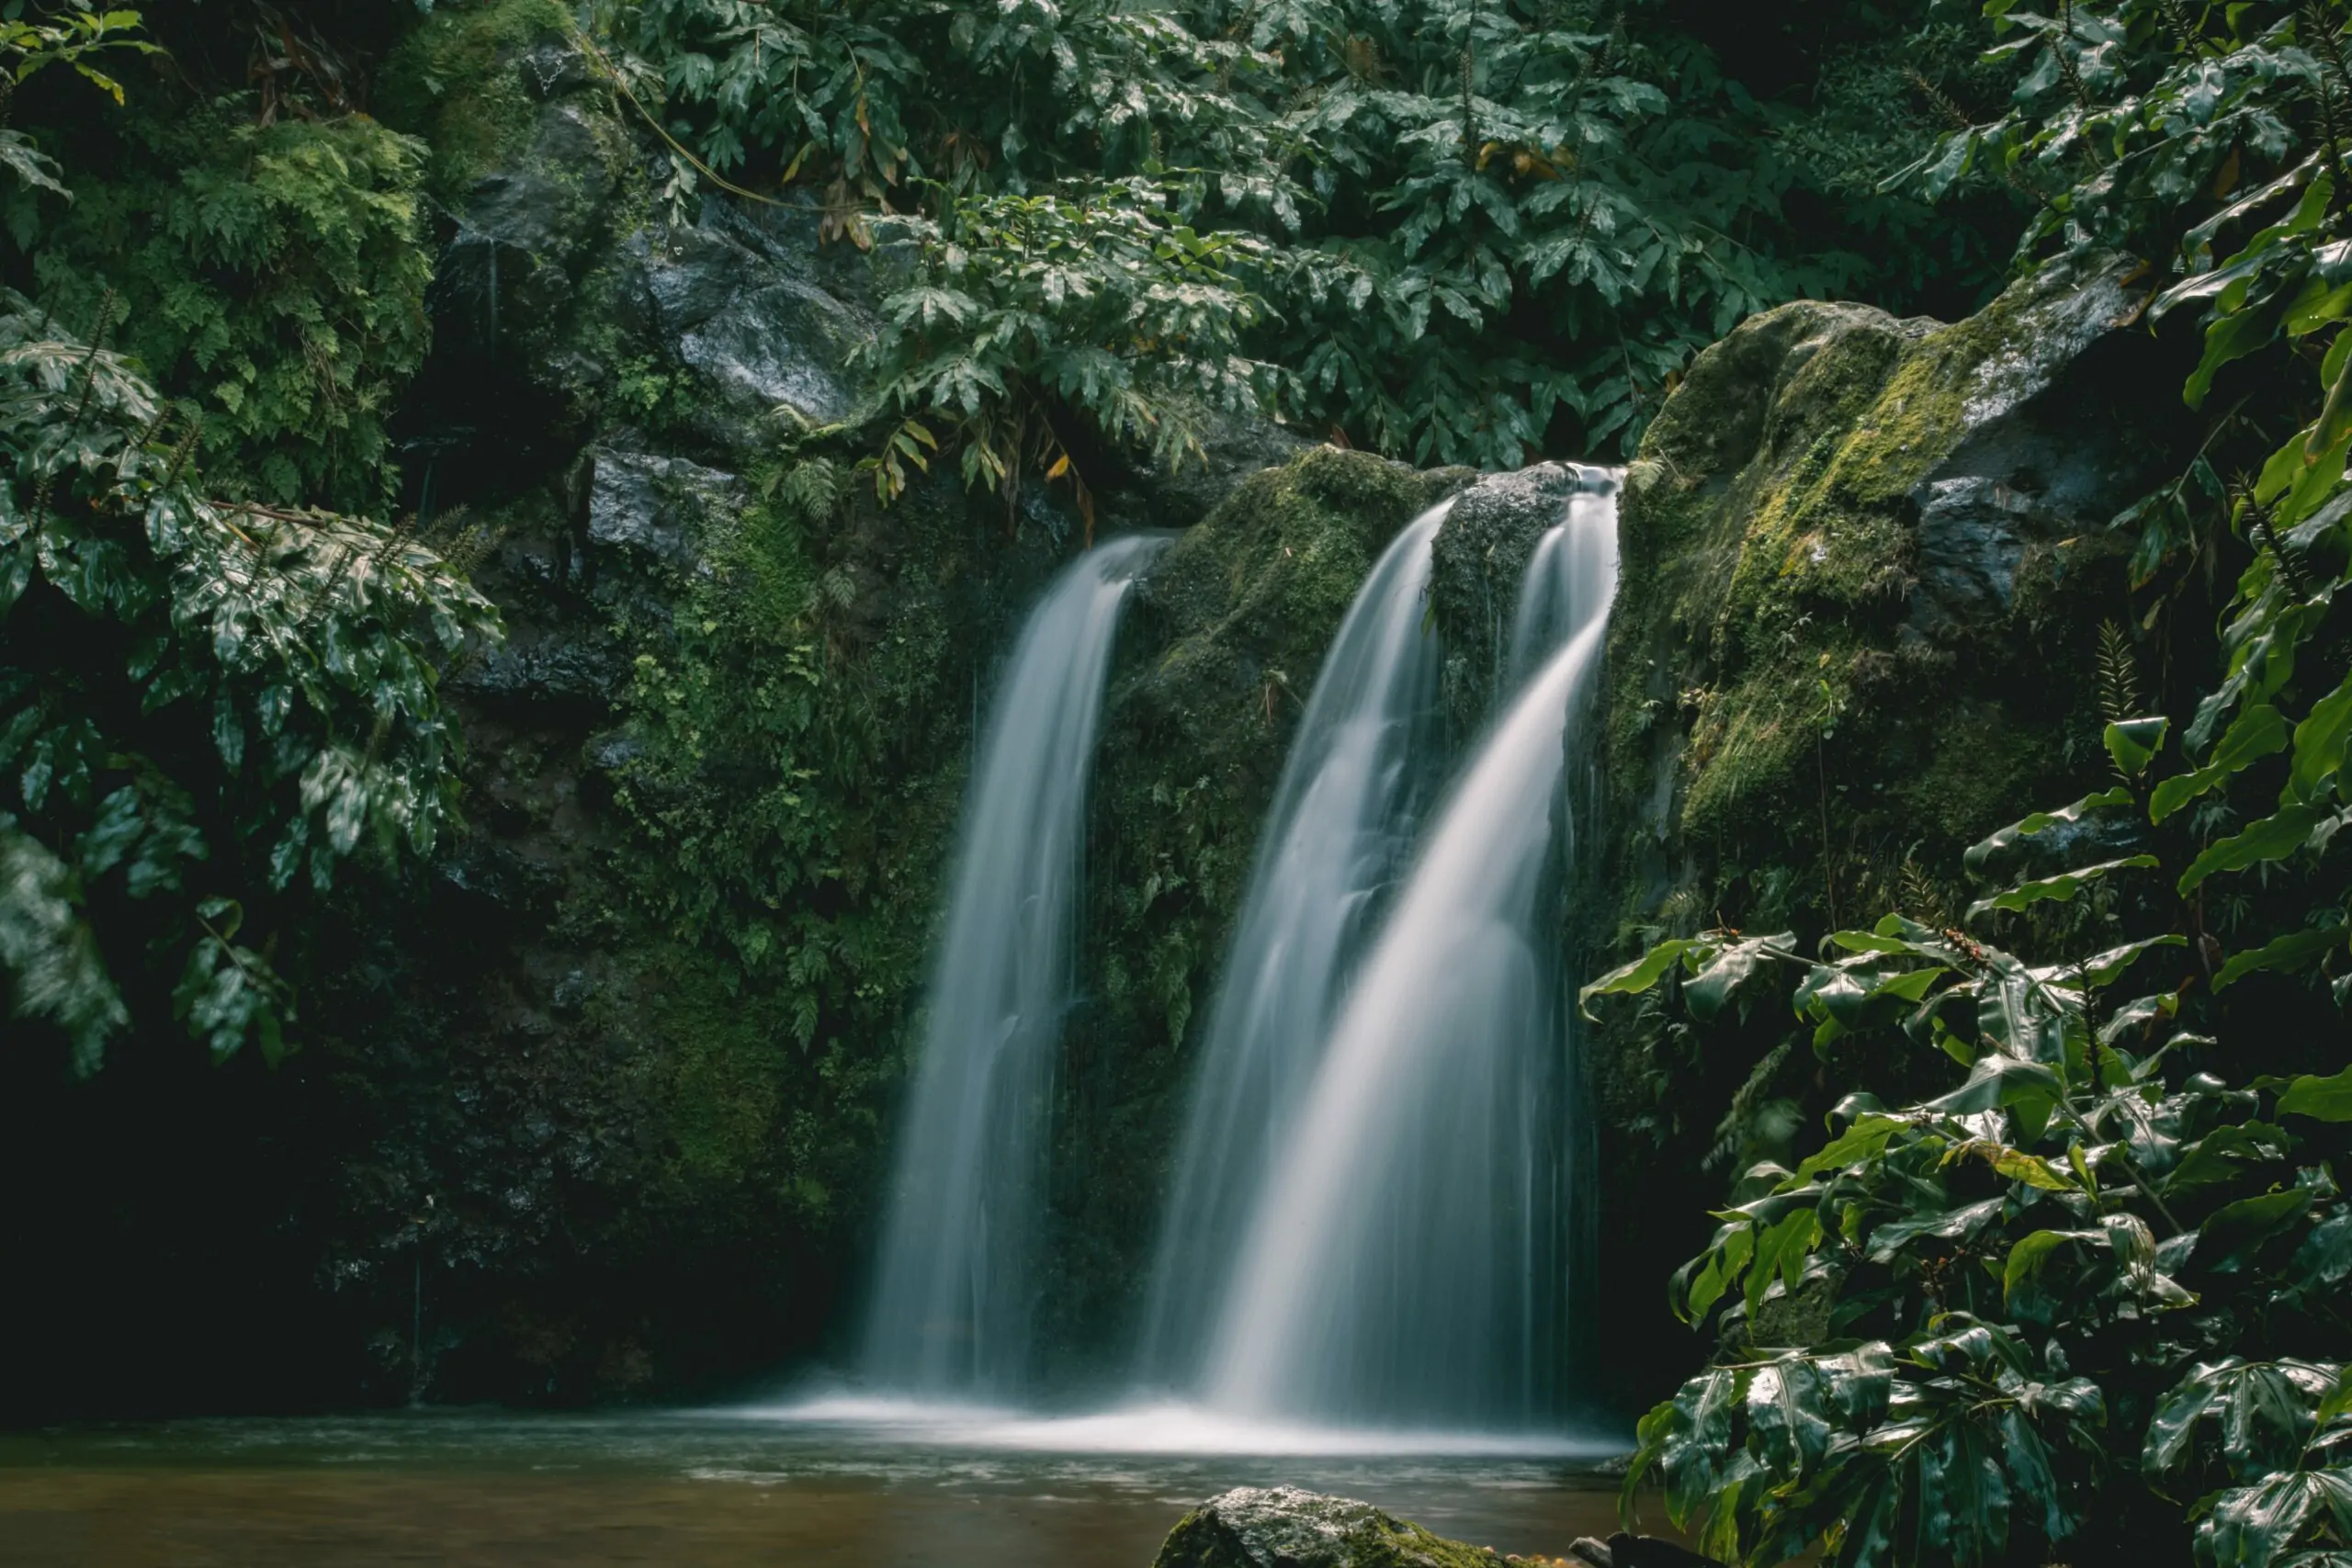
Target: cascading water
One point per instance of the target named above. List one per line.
(1409, 1260)
(1569, 576)
(1357, 777)
(951, 1310)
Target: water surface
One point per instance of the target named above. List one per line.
(859, 1486)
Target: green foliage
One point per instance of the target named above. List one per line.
(206, 708)
(456, 80)
(1031, 310)
(2007, 1332)
(28, 48)
(1482, 229)
(760, 745)
(2091, 1298)
(276, 276)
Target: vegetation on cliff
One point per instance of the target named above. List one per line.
(206, 706)
(648, 1023)
(1463, 230)
(2088, 1300)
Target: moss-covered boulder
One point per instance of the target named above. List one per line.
(1282, 1527)
(1865, 562)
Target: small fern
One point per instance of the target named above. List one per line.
(2120, 696)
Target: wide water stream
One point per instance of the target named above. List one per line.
(472, 1489)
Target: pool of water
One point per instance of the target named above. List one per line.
(818, 1483)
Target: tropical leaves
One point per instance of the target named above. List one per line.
(1478, 229)
(207, 709)
(1037, 319)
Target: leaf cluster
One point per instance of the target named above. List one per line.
(1030, 312)
(1473, 231)
(277, 274)
(207, 708)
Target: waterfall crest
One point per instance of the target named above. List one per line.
(1569, 577)
(1408, 1261)
(1358, 776)
(957, 1274)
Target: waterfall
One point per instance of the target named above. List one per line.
(1358, 776)
(1408, 1261)
(957, 1274)
(1569, 577)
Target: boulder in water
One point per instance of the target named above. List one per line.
(1284, 1527)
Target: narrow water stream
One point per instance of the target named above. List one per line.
(473, 1490)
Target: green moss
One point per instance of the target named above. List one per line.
(458, 81)
(1765, 673)
(1820, 687)
(1248, 1528)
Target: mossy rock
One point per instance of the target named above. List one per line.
(1284, 1527)
(1864, 560)
(471, 79)
(1864, 565)
(1477, 561)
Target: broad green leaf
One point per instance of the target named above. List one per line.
(1644, 972)
(1721, 1269)
(1861, 1141)
(2289, 951)
(2320, 741)
(2223, 1155)
(2030, 1253)
(2321, 1099)
(2233, 1233)
(1961, 1224)
(2061, 888)
(2273, 838)
(1780, 1252)
(2106, 969)
(2259, 732)
(2040, 822)
(2132, 743)
(1722, 973)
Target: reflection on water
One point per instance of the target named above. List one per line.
(819, 1485)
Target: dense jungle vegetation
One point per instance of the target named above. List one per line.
(2084, 1298)
(2086, 1301)
(235, 600)
(1470, 233)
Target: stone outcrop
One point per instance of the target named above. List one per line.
(1282, 1527)
(1864, 562)
(1285, 1526)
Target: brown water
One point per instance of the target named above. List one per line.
(476, 1490)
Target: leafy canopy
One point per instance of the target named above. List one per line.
(1467, 230)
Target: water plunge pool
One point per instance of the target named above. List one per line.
(817, 1483)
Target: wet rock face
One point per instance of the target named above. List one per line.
(665, 508)
(1284, 1527)
(1476, 563)
(739, 306)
